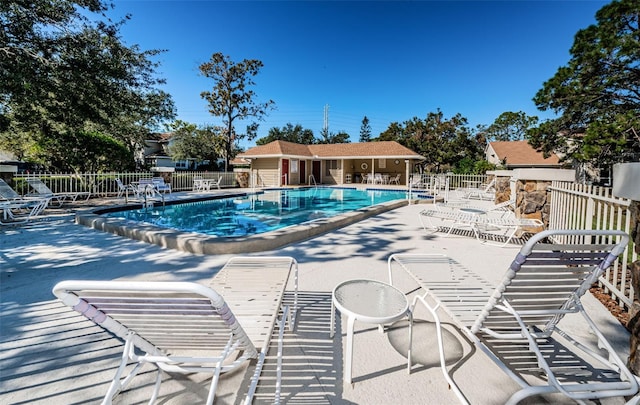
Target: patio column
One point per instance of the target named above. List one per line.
(407, 163)
(373, 169)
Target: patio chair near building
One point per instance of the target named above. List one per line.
(516, 323)
(202, 184)
(160, 185)
(184, 327)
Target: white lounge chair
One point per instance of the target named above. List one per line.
(503, 209)
(436, 219)
(487, 192)
(19, 212)
(516, 322)
(186, 327)
(41, 190)
(482, 225)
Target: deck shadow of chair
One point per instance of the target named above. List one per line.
(545, 282)
(184, 327)
(42, 190)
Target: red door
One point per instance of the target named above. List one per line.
(285, 172)
(303, 172)
(316, 171)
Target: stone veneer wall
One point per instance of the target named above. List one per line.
(532, 197)
(533, 200)
(503, 189)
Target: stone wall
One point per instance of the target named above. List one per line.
(533, 200)
(503, 189)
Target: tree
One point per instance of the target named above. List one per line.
(289, 133)
(62, 74)
(365, 130)
(231, 99)
(83, 152)
(192, 142)
(330, 137)
(510, 126)
(597, 95)
(446, 142)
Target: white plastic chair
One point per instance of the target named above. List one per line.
(160, 185)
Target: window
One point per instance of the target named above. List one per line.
(382, 163)
(294, 166)
(331, 165)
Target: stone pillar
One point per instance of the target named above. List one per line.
(242, 177)
(533, 200)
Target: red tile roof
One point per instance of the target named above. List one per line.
(385, 149)
(520, 153)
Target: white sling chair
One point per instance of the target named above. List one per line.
(516, 323)
(186, 327)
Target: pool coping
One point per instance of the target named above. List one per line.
(197, 243)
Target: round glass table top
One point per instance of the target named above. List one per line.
(370, 298)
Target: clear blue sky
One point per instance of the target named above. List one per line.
(387, 60)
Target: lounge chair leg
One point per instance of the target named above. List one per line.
(156, 388)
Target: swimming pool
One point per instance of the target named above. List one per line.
(258, 213)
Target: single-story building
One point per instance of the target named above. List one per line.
(519, 155)
(280, 163)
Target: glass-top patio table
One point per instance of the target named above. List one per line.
(368, 301)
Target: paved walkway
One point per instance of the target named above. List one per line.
(50, 356)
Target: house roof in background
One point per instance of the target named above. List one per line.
(384, 149)
(520, 153)
(160, 136)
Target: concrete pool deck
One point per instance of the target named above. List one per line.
(48, 355)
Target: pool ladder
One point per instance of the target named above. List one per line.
(311, 177)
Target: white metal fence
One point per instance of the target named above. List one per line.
(104, 184)
(579, 206)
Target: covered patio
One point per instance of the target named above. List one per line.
(282, 163)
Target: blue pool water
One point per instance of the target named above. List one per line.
(258, 213)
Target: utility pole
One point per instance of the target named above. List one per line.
(325, 127)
